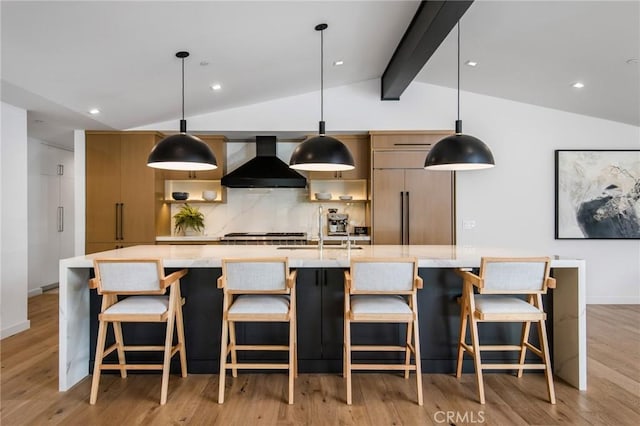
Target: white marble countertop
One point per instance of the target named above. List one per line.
(181, 238)
(341, 238)
(208, 238)
(209, 256)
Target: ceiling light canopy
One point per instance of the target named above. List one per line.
(94, 111)
(322, 152)
(459, 151)
(578, 85)
(182, 151)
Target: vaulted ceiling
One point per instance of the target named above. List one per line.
(60, 59)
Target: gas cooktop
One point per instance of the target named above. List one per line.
(264, 236)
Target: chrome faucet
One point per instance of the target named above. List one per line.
(320, 235)
(346, 229)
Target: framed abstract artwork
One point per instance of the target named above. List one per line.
(597, 194)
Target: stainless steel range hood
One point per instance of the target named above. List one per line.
(265, 170)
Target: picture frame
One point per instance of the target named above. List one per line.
(597, 194)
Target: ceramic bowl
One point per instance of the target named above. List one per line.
(209, 195)
(346, 197)
(323, 196)
(180, 196)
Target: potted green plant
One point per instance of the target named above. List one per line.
(188, 218)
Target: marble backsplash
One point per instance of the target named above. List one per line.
(267, 209)
(270, 210)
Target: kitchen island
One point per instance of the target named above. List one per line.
(319, 300)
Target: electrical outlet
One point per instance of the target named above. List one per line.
(468, 224)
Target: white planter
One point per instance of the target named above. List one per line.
(191, 233)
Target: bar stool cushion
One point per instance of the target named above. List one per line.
(495, 304)
(260, 304)
(140, 305)
(379, 304)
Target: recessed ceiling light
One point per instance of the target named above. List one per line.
(204, 63)
(471, 63)
(632, 61)
(94, 111)
(338, 63)
(37, 120)
(216, 86)
(577, 85)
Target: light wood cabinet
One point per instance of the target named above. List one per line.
(409, 140)
(360, 149)
(410, 205)
(218, 145)
(121, 190)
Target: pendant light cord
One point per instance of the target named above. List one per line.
(458, 70)
(183, 88)
(321, 28)
(322, 75)
(183, 122)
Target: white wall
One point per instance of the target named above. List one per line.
(13, 233)
(512, 204)
(79, 190)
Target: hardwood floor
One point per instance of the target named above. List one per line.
(29, 393)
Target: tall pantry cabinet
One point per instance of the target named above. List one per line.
(121, 190)
(50, 214)
(410, 205)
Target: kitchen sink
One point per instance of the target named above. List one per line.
(325, 247)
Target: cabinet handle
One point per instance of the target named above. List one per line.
(401, 217)
(122, 221)
(117, 220)
(60, 218)
(317, 277)
(408, 218)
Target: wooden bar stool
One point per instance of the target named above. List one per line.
(383, 291)
(145, 284)
(501, 284)
(257, 290)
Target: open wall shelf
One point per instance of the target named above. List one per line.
(195, 189)
(356, 188)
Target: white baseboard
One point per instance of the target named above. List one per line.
(34, 292)
(15, 329)
(613, 300)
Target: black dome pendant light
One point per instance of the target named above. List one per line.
(322, 152)
(182, 151)
(459, 151)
